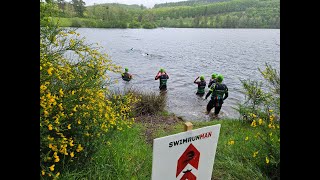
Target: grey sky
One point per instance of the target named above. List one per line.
(147, 3)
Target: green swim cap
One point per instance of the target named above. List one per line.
(214, 75)
(161, 70)
(126, 69)
(201, 78)
(220, 78)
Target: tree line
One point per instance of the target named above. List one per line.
(191, 14)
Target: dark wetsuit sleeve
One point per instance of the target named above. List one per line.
(208, 94)
(157, 77)
(195, 81)
(167, 76)
(226, 94)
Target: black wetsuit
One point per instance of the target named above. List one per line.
(201, 87)
(163, 81)
(126, 76)
(219, 94)
(211, 82)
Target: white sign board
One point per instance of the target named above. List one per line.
(187, 155)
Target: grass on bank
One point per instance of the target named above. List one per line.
(128, 156)
(125, 156)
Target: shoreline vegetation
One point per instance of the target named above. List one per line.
(187, 14)
(90, 132)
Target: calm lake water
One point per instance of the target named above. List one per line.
(186, 53)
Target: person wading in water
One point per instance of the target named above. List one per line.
(126, 76)
(201, 86)
(212, 80)
(162, 76)
(219, 93)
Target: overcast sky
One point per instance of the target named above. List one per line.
(147, 3)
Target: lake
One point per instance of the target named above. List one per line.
(185, 54)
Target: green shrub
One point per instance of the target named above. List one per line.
(262, 110)
(148, 103)
(75, 113)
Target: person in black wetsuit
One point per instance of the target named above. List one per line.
(126, 76)
(163, 77)
(213, 79)
(201, 86)
(219, 93)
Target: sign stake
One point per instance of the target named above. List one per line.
(188, 126)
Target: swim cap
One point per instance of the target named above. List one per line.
(220, 78)
(161, 70)
(201, 78)
(126, 69)
(214, 75)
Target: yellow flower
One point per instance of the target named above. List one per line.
(43, 87)
(42, 172)
(71, 143)
(57, 174)
(79, 121)
(61, 92)
(60, 106)
(231, 142)
(50, 71)
(72, 154)
(271, 117)
(72, 92)
(50, 146)
(79, 148)
(50, 127)
(260, 121)
(255, 154)
(254, 124)
(52, 167)
(270, 110)
(267, 160)
(40, 68)
(247, 138)
(45, 113)
(57, 159)
(69, 126)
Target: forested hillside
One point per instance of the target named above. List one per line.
(187, 3)
(184, 14)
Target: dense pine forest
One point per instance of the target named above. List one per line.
(184, 14)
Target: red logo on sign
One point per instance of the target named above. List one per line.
(190, 156)
(188, 175)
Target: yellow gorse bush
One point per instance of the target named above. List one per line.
(265, 142)
(74, 109)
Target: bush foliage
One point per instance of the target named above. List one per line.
(75, 113)
(262, 111)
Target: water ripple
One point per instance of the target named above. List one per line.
(186, 54)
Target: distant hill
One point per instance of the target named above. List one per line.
(118, 5)
(187, 3)
(184, 14)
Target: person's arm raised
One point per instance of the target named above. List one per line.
(196, 80)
